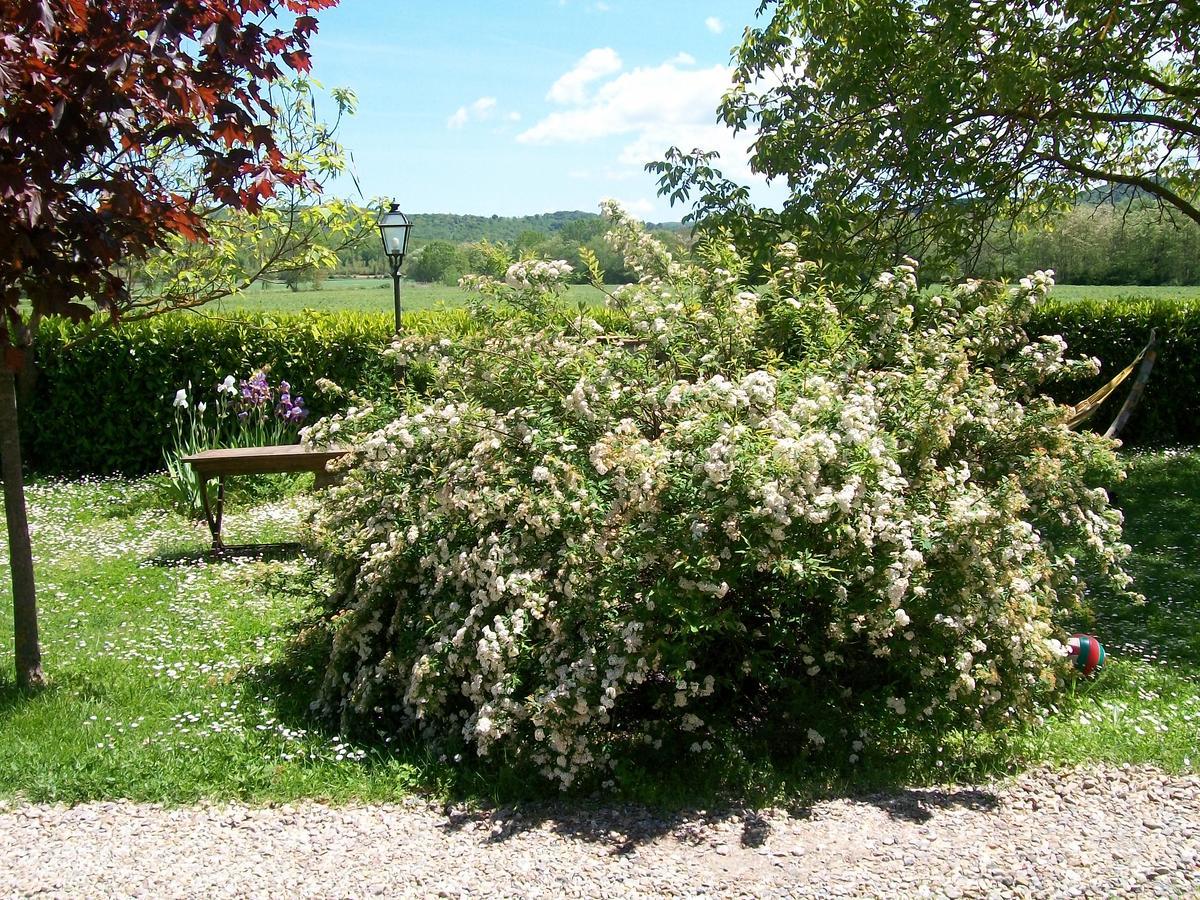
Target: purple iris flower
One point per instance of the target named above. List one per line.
(256, 391)
(291, 410)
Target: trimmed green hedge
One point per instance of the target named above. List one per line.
(102, 401)
(1115, 331)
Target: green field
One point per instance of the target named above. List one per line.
(375, 295)
(1074, 292)
(363, 295)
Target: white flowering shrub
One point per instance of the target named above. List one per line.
(727, 508)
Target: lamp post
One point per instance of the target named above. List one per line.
(394, 227)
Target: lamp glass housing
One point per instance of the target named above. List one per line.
(394, 227)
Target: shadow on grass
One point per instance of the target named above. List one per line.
(1161, 503)
(229, 553)
(14, 699)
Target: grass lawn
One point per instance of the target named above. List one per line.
(364, 295)
(375, 295)
(1073, 292)
(171, 681)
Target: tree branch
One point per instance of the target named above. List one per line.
(1149, 185)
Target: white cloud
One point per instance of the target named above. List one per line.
(683, 59)
(480, 110)
(635, 102)
(713, 24)
(653, 108)
(601, 6)
(595, 64)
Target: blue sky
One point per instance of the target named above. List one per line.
(524, 106)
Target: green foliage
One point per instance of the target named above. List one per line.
(367, 257)
(294, 238)
(102, 399)
(438, 261)
(1114, 331)
(794, 509)
(488, 258)
(906, 126)
(548, 236)
(460, 228)
(1098, 245)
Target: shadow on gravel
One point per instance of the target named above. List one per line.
(624, 828)
(922, 806)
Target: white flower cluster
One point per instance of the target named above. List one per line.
(535, 273)
(735, 503)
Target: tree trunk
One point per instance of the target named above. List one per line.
(25, 627)
(27, 380)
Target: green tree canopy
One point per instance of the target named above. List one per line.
(437, 261)
(904, 126)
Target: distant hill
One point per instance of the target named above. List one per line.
(1115, 195)
(462, 228)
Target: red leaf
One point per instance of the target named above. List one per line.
(299, 60)
(181, 223)
(229, 132)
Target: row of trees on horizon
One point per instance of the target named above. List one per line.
(435, 259)
(1134, 243)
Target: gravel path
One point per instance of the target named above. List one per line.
(1094, 832)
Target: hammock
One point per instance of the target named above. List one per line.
(1082, 411)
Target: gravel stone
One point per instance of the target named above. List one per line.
(1096, 832)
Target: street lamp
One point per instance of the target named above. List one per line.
(394, 227)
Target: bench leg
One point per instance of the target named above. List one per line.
(214, 520)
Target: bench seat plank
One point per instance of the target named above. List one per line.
(218, 464)
(261, 460)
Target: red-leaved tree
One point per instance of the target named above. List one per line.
(121, 124)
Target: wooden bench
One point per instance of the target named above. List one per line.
(253, 461)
